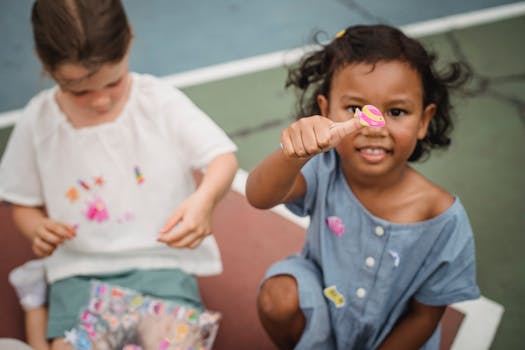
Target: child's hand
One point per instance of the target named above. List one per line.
(310, 136)
(194, 220)
(49, 234)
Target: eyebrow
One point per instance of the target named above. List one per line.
(114, 82)
(401, 101)
(348, 98)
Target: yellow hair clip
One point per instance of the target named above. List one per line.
(340, 34)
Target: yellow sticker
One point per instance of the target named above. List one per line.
(333, 295)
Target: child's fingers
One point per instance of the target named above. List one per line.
(339, 131)
(184, 242)
(310, 142)
(58, 229)
(323, 138)
(172, 222)
(168, 237)
(184, 237)
(42, 248)
(297, 144)
(46, 234)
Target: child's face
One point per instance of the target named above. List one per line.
(93, 94)
(393, 87)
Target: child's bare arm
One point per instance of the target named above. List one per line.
(277, 178)
(415, 328)
(194, 215)
(45, 234)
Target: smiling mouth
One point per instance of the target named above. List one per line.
(373, 154)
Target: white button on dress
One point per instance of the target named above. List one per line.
(370, 261)
(380, 231)
(361, 292)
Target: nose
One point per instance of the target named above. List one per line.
(101, 101)
(372, 131)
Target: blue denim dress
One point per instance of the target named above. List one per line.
(357, 272)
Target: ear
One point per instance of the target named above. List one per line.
(428, 114)
(322, 102)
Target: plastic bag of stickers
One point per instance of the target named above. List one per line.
(122, 319)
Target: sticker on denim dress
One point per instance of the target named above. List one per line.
(336, 225)
(334, 296)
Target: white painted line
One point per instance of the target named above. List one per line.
(8, 118)
(235, 68)
(239, 184)
(465, 20)
(280, 58)
(477, 331)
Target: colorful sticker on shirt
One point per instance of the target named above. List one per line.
(336, 225)
(395, 256)
(138, 175)
(72, 194)
(334, 296)
(126, 217)
(99, 181)
(97, 210)
(83, 184)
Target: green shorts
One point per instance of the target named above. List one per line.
(69, 296)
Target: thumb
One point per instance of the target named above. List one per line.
(339, 130)
(175, 218)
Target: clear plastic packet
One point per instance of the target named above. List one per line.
(122, 319)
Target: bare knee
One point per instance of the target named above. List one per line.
(278, 299)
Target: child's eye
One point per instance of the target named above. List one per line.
(78, 93)
(115, 83)
(353, 108)
(396, 112)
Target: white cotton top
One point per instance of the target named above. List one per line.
(119, 182)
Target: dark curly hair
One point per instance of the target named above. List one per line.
(371, 44)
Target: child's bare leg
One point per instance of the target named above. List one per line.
(29, 282)
(279, 311)
(36, 323)
(60, 344)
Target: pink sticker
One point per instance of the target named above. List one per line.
(335, 224)
(97, 210)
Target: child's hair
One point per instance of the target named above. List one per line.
(370, 45)
(86, 32)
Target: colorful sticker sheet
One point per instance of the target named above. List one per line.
(119, 318)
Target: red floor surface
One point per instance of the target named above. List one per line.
(250, 241)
